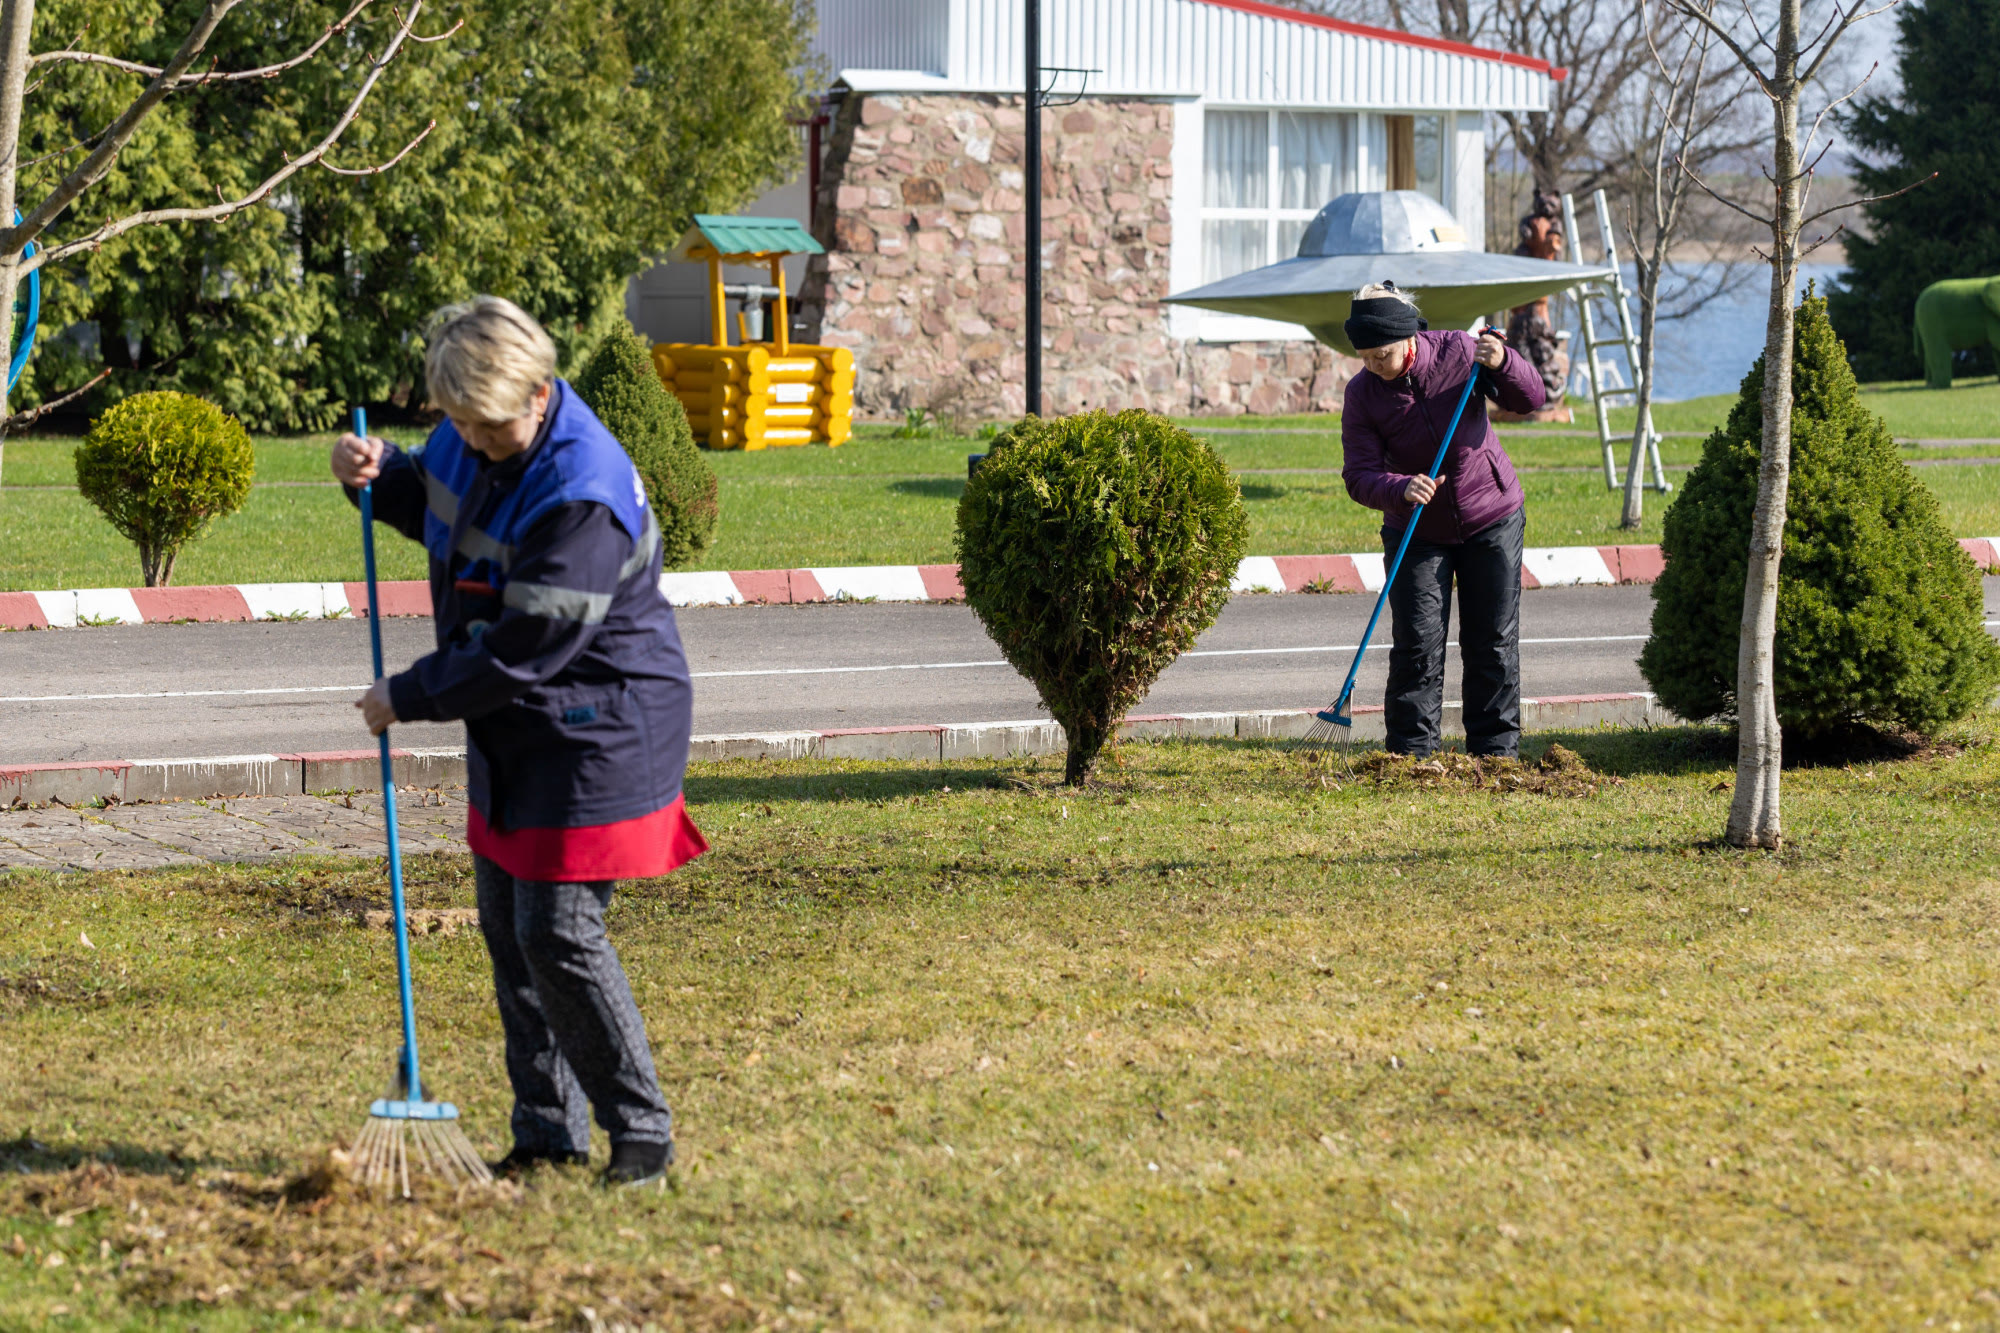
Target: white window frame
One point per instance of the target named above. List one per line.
(1446, 126)
(1271, 215)
(1191, 210)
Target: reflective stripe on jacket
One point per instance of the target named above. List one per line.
(554, 642)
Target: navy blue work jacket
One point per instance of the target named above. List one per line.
(554, 642)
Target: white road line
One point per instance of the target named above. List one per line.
(762, 671)
(175, 694)
(793, 671)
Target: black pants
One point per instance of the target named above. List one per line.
(1487, 567)
(575, 1041)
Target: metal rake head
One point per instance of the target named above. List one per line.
(402, 1136)
(1331, 733)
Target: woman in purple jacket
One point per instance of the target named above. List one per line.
(1394, 419)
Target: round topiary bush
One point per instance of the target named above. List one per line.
(622, 387)
(1879, 609)
(162, 467)
(1095, 549)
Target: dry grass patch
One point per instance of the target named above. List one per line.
(1215, 1046)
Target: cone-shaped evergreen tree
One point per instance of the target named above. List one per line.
(1879, 609)
(622, 387)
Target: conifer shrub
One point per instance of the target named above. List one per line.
(1879, 609)
(162, 467)
(621, 386)
(1095, 549)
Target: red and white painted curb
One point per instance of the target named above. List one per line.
(1541, 567)
(125, 780)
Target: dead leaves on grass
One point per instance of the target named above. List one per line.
(319, 1244)
(1559, 772)
(444, 921)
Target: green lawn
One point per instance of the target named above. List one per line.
(881, 500)
(1969, 409)
(1216, 1044)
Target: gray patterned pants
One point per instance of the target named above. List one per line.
(575, 1040)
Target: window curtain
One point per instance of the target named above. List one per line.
(1230, 246)
(1236, 173)
(1236, 153)
(1374, 154)
(1314, 158)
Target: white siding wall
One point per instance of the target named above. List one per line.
(885, 34)
(1171, 48)
(1468, 176)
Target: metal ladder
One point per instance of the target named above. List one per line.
(1603, 387)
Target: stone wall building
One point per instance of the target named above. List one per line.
(1198, 139)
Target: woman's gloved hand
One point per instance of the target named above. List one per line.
(356, 461)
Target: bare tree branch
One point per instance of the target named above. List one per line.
(422, 40)
(1719, 198)
(293, 165)
(1701, 15)
(22, 420)
(377, 170)
(1822, 240)
(1871, 199)
(211, 76)
(1824, 111)
(93, 168)
(1853, 17)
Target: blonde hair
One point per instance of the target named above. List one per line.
(485, 358)
(1389, 289)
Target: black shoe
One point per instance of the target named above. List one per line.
(520, 1161)
(638, 1162)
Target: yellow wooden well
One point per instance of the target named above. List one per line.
(756, 392)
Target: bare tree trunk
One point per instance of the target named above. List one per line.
(17, 23)
(1753, 814)
(156, 563)
(1642, 427)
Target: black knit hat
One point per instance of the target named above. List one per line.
(1381, 320)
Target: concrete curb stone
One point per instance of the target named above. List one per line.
(121, 781)
(1542, 567)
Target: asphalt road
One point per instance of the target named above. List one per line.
(160, 691)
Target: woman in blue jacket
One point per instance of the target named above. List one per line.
(557, 649)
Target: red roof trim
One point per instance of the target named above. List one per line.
(1263, 10)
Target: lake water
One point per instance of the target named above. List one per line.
(1705, 353)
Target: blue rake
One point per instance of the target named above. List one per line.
(1334, 724)
(405, 1119)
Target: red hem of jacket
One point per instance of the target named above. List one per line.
(641, 848)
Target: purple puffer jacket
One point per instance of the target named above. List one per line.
(1390, 430)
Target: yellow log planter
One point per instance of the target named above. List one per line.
(756, 392)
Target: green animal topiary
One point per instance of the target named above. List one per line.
(621, 386)
(162, 467)
(1095, 549)
(1878, 608)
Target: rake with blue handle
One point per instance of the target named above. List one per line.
(405, 1119)
(1334, 724)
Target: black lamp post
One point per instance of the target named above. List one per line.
(1031, 182)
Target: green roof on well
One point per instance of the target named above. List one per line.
(755, 236)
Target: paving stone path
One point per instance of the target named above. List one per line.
(241, 828)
